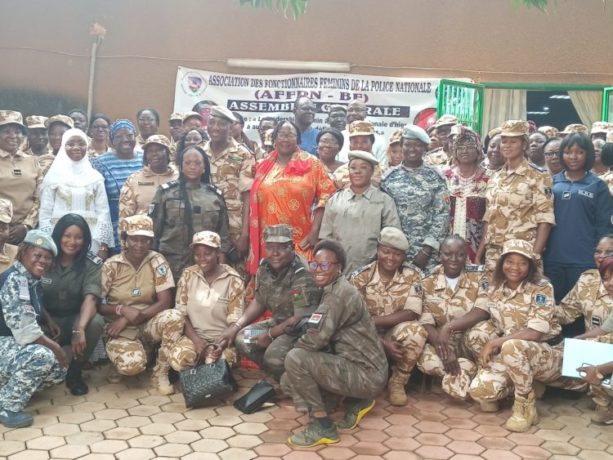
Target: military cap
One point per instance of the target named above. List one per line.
(396, 137)
(268, 137)
(11, 117)
(337, 108)
(361, 128)
(158, 139)
(549, 131)
(136, 225)
(187, 115)
(393, 238)
(36, 122)
(600, 127)
(219, 111)
(41, 240)
(175, 116)
(445, 120)
(494, 132)
(518, 247)
(514, 128)
(415, 132)
(6, 211)
(362, 155)
(281, 233)
(63, 119)
(207, 238)
(575, 128)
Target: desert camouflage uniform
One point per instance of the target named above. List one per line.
(138, 190)
(356, 368)
(437, 158)
(7, 256)
(25, 367)
(403, 292)
(340, 177)
(122, 284)
(422, 201)
(590, 298)
(232, 171)
(519, 362)
(442, 304)
(291, 292)
(516, 203)
(210, 308)
(356, 221)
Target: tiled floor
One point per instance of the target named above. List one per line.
(130, 421)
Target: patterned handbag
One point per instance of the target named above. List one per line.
(208, 382)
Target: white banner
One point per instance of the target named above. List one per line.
(392, 102)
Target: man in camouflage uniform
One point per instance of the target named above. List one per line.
(356, 368)
(284, 286)
(441, 156)
(519, 204)
(232, 168)
(129, 290)
(394, 304)
(422, 199)
(30, 361)
(448, 293)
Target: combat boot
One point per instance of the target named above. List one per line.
(355, 411)
(396, 387)
(489, 406)
(314, 435)
(524, 414)
(11, 419)
(159, 378)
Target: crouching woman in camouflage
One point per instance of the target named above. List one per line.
(30, 360)
(340, 354)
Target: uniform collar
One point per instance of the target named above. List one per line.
(148, 173)
(18, 153)
(366, 194)
(441, 280)
(522, 169)
(121, 258)
(231, 148)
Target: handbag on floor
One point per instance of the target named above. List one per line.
(260, 393)
(206, 383)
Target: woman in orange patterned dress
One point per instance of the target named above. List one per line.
(290, 187)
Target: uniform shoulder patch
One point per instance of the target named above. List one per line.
(357, 271)
(215, 189)
(540, 299)
(484, 284)
(537, 167)
(169, 184)
(474, 268)
(94, 258)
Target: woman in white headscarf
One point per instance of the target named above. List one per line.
(72, 185)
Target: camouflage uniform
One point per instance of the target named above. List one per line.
(355, 221)
(357, 366)
(437, 158)
(442, 304)
(122, 284)
(340, 177)
(291, 292)
(403, 292)
(232, 171)
(422, 201)
(517, 202)
(7, 256)
(138, 190)
(210, 308)
(172, 236)
(25, 367)
(519, 362)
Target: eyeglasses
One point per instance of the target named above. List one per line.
(606, 253)
(328, 143)
(325, 266)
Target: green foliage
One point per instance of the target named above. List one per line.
(294, 7)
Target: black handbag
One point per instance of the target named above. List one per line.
(260, 393)
(206, 383)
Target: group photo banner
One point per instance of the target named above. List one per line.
(392, 102)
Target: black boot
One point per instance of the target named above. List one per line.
(74, 379)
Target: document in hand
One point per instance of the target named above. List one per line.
(578, 353)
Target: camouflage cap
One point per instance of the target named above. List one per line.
(268, 137)
(40, 239)
(11, 117)
(549, 131)
(138, 224)
(158, 139)
(514, 128)
(518, 247)
(601, 127)
(281, 233)
(445, 120)
(207, 238)
(36, 122)
(187, 115)
(361, 128)
(575, 128)
(219, 111)
(494, 132)
(63, 119)
(362, 155)
(415, 132)
(393, 238)
(337, 108)
(396, 137)
(6, 211)
(175, 116)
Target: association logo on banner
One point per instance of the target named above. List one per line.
(193, 83)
